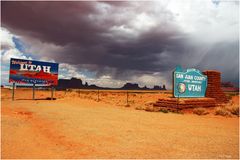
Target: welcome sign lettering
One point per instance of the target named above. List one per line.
(33, 72)
(189, 83)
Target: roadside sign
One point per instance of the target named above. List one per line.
(189, 83)
(33, 72)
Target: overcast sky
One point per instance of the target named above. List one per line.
(111, 43)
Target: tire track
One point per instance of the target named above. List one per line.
(50, 132)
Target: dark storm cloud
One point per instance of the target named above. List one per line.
(57, 22)
(100, 37)
(67, 24)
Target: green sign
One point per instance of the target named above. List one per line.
(189, 83)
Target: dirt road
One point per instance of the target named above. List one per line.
(83, 128)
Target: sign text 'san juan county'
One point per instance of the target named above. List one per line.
(33, 72)
(189, 83)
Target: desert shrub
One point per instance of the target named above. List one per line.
(104, 94)
(127, 105)
(200, 111)
(229, 96)
(177, 112)
(234, 110)
(140, 108)
(149, 103)
(163, 110)
(222, 111)
(149, 109)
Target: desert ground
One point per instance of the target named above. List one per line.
(79, 124)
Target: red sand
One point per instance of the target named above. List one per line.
(74, 127)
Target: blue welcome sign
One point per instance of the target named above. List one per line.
(189, 83)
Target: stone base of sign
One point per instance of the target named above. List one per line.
(214, 86)
(184, 103)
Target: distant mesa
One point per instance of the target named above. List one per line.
(227, 84)
(131, 86)
(75, 83)
(70, 83)
(159, 87)
(135, 86)
(229, 87)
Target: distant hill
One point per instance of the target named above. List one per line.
(135, 86)
(131, 86)
(229, 87)
(75, 83)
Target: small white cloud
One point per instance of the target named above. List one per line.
(105, 81)
(6, 39)
(149, 80)
(12, 53)
(68, 71)
(8, 51)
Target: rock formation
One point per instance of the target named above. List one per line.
(214, 86)
(75, 83)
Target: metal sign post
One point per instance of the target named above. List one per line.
(13, 89)
(33, 91)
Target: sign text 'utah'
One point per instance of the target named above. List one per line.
(33, 72)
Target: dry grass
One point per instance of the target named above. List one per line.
(156, 109)
(163, 110)
(228, 110)
(234, 110)
(200, 111)
(140, 108)
(222, 111)
(152, 109)
(127, 105)
(149, 109)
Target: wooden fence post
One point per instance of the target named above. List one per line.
(52, 90)
(33, 91)
(13, 89)
(98, 96)
(127, 97)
